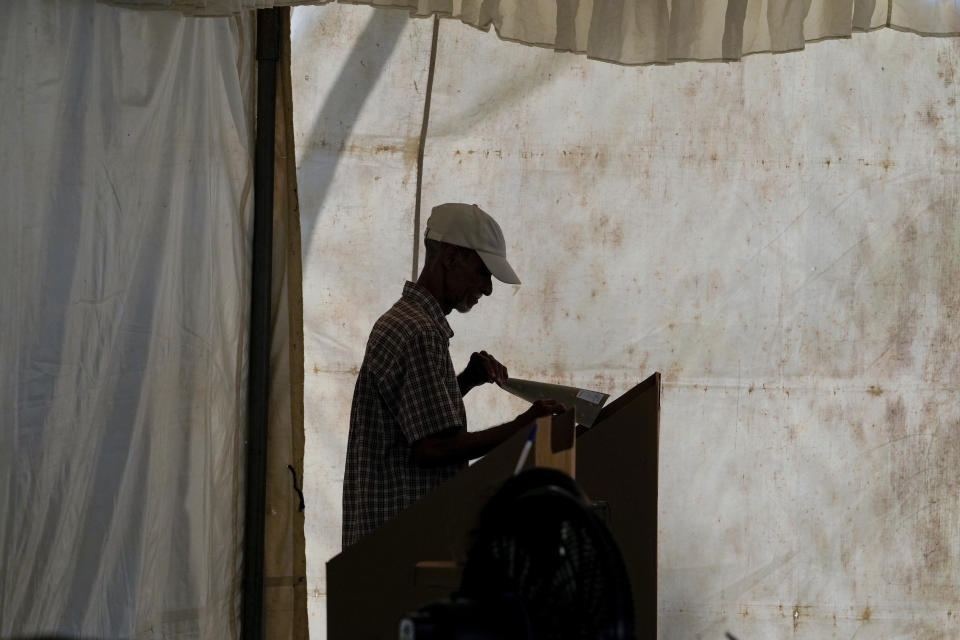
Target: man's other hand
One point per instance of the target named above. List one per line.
(484, 368)
(542, 408)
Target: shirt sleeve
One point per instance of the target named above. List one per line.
(429, 399)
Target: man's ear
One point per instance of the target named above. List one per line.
(448, 254)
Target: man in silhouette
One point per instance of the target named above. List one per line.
(408, 426)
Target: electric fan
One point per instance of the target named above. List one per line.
(541, 566)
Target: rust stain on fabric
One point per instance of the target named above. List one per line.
(947, 71)
(931, 117)
(858, 434)
(408, 148)
(896, 419)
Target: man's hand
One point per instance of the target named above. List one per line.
(481, 369)
(542, 408)
(460, 445)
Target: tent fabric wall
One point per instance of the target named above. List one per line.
(646, 31)
(126, 207)
(777, 236)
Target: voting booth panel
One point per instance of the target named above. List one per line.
(414, 559)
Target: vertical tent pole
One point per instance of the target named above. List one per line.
(423, 144)
(268, 52)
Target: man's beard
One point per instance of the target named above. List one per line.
(468, 302)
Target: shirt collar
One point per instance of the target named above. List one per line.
(419, 296)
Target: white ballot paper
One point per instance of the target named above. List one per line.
(586, 403)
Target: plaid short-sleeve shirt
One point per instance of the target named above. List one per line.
(406, 390)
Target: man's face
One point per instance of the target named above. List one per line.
(468, 280)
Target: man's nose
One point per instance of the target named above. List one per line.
(487, 286)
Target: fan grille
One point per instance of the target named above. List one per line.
(538, 542)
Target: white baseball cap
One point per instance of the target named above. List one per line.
(467, 225)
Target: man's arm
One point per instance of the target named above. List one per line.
(434, 451)
(481, 369)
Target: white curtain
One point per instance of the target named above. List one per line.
(647, 31)
(124, 233)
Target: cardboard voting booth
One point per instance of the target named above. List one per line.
(414, 559)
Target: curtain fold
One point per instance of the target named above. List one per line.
(285, 564)
(651, 31)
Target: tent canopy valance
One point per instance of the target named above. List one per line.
(651, 31)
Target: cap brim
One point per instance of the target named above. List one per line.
(499, 267)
